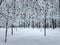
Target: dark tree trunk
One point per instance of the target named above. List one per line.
(11, 30)
(45, 32)
(45, 27)
(59, 13)
(53, 23)
(24, 24)
(6, 31)
(59, 23)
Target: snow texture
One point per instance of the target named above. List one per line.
(30, 36)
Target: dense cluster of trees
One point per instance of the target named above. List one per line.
(29, 13)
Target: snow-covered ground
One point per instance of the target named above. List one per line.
(29, 36)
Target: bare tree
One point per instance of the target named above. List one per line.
(7, 17)
(46, 10)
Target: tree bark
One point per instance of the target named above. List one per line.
(45, 32)
(11, 30)
(6, 31)
(45, 26)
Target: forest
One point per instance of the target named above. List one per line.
(29, 14)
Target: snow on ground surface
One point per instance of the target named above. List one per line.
(29, 36)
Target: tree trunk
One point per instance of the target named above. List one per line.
(53, 23)
(59, 14)
(45, 32)
(6, 31)
(24, 24)
(11, 30)
(45, 26)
